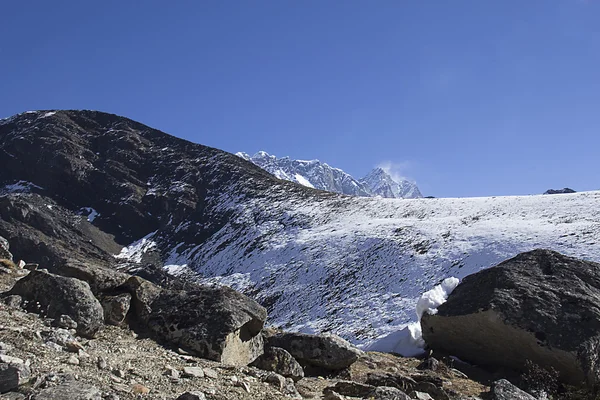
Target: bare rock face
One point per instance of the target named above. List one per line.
(326, 351)
(216, 323)
(280, 361)
(59, 295)
(540, 306)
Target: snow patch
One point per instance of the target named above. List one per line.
(303, 181)
(91, 213)
(137, 249)
(408, 341)
(19, 187)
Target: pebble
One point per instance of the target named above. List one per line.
(73, 360)
(139, 389)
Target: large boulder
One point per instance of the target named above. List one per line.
(58, 295)
(540, 306)
(70, 390)
(216, 323)
(325, 351)
(504, 390)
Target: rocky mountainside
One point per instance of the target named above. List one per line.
(83, 188)
(318, 175)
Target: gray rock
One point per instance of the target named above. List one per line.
(193, 372)
(4, 249)
(59, 336)
(196, 395)
(116, 308)
(540, 306)
(504, 390)
(58, 295)
(13, 373)
(275, 380)
(217, 323)
(325, 351)
(280, 361)
(70, 390)
(389, 393)
(211, 373)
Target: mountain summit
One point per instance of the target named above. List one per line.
(319, 175)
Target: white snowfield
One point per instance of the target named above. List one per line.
(357, 266)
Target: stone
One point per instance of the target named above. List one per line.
(353, 389)
(216, 323)
(280, 361)
(430, 364)
(540, 306)
(12, 396)
(70, 390)
(211, 373)
(435, 391)
(59, 295)
(13, 373)
(326, 351)
(275, 380)
(116, 308)
(101, 363)
(193, 372)
(196, 395)
(138, 388)
(504, 390)
(73, 360)
(422, 396)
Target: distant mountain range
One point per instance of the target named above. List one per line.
(319, 175)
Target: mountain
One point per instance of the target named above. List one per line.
(79, 188)
(318, 175)
(380, 183)
(559, 191)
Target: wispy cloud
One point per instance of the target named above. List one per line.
(397, 170)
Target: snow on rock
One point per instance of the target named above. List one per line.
(319, 175)
(135, 251)
(19, 187)
(408, 341)
(91, 213)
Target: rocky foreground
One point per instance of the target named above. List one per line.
(64, 338)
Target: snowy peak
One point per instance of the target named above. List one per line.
(380, 183)
(319, 175)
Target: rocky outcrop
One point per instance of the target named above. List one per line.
(325, 351)
(280, 361)
(55, 295)
(560, 191)
(540, 306)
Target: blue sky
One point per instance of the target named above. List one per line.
(468, 98)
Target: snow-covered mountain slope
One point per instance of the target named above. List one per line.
(83, 184)
(318, 175)
(355, 266)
